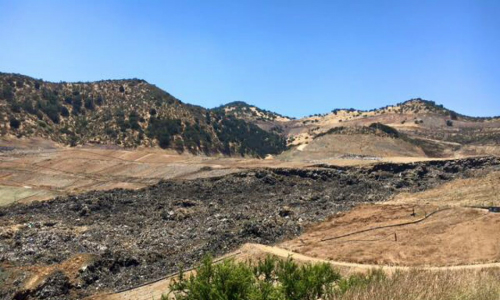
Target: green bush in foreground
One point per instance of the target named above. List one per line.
(268, 279)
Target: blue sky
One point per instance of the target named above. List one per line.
(293, 57)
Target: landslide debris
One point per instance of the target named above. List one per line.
(138, 236)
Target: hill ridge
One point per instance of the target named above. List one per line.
(129, 113)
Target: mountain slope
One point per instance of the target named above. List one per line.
(432, 128)
(267, 120)
(435, 130)
(123, 112)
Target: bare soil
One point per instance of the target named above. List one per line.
(455, 236)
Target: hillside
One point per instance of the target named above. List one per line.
(417, 117)
(129, 113)
(133, 113)
(432, 128)
(423, 128)
(265, 119)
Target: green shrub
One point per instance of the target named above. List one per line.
(42, 124)
(269, 279)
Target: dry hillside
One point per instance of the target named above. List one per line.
(123, 112)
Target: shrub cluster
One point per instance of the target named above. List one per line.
(268, 279)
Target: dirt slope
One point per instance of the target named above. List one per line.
(340, 145)
(458, 236)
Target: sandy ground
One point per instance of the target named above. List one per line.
(43, 170)
(335, 145)
(40, 170)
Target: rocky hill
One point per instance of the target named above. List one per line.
(124, 112)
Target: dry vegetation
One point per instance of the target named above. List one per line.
(428, 285)
(481, 191)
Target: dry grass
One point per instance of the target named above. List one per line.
(427, 285)
(479, 191)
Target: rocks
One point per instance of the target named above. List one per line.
(56, 287)
(286, 211)
(138, 236)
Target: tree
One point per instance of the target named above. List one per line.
(164, 140)
(133, 119)
(89, 104)
(77, 104)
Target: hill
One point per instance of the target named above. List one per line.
(421, 127)
(265, 119)
(436, 130)
(129, 113)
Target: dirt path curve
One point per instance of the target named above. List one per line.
(254, 251)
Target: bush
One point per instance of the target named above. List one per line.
(268, 279)
(7, 93)
(133, 119)
(14, 123)
(77, 104)
(64, 112)
(449, 123)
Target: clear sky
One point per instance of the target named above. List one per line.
(293, 57)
